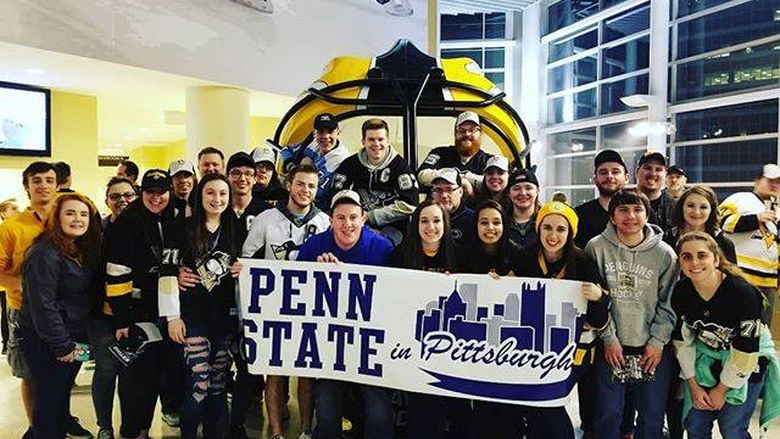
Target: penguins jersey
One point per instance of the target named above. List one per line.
(277, 234)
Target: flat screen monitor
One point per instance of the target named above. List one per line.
(25, 120)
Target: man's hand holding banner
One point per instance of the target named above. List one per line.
(469, 336)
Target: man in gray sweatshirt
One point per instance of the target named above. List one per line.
(640, 271)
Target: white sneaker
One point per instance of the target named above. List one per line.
(305, 435)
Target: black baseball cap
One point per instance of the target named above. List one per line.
(650, 156)
(523, 176)
(238, 159)
(608, 156)
(674, 169)
(156, 179)
(325, 121)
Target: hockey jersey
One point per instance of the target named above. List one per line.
(326, 164)
(278, 234)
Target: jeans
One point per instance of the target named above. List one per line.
(53, 382)
(650, 398)
(378, 416)
(207, 361)
(547, 423)
(139, 386)
(733, 420)
(428, 415)
(101, 336)
(496, 420)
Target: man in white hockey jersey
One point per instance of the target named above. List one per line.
(750, 220)
(278, 234)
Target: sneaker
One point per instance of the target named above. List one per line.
(105, 433)
(172, 419)
(76, 431)
(305, 435)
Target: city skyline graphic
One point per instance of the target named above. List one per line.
(521, 316)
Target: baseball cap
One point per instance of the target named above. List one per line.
(156, 179)
(497, 161)
(448, 175)
(345, 196)
(771, 171)
(608, 156)
(651, 156)
(325, 121)
(181, 165)
(467, 116)
(264, 154)
(523, 176)
(676, 170)
(240, 159)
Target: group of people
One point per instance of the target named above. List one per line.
(679, 288)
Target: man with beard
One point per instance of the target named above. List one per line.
(278, 234)
(267, 185)
(184, 181)
(325, 153)
(610, 175)
(383, 179)
(465, 156)
(650, 179)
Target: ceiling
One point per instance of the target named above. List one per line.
(132, 102)
(471, 6)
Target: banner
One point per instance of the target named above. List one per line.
(469, 336)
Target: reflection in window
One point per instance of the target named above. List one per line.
(567, 12)
(745, 22)
(572, 141)
(723, 162)
(475, 54)
(573, 107)
(613, 91)
(688, 7)
(572, 170)
(495, 25)
(473, 26)
(494, 57)
(573, 74)
(575, 197)
(572, 45)
(731, 71)
(497, 78)
(630, 22)
(732, 121)
(617, 136)
(629, 57)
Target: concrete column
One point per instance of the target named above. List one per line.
(218, 117)
(528, 98)
(658, 86)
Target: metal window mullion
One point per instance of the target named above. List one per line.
(624, 76)
(573, 90)
(589, 21)
(591, 123)
(734, 48)
(734, 98)
(626, 39)
(708, 11)
(733, 139)
(572, 58)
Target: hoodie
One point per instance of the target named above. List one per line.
(640, 281)
(388, 190)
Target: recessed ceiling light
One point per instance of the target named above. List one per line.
(34, 71)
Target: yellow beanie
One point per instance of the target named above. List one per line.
(563, 209)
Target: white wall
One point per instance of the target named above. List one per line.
(217, 40)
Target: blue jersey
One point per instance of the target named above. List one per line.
(371, 249)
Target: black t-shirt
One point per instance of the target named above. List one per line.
(447, 157)
(593, 220)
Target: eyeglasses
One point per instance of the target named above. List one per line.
(237, 174)
(469, 130)
(444, 191)
(126, 195)
(264, 166)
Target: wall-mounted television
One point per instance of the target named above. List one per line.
(25, 120)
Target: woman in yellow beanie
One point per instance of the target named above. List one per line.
(556, 257)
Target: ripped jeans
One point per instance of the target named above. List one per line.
(207, 362)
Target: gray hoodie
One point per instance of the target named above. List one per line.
(640, 282)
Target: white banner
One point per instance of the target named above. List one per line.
(469, 336)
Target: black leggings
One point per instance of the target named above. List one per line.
(139, 386)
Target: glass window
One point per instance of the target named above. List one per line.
(745, 22)
(630, 22)
(629, 57)
(617, 136)
(495, 25)
(723, 192)
(461, 27)
(732, 121)
(731, 71)
(475, 54)
(688, 7)
(613, 91)
(572, 141)
(568, 12)
(575, 197)
(573, 74)
(573, 45)
(494, 57)
(573, 107)
(496, 78)
(572, 170)
(723, 162)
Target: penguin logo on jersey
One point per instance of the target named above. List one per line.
(282, 252)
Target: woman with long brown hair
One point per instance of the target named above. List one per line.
(60, 275)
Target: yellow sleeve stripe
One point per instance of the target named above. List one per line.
(744, 362)
(729, 212)
(115, 290)
(769, 282)
(168, 285)
(756, 263)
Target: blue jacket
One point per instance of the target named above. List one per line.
(371, 249)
